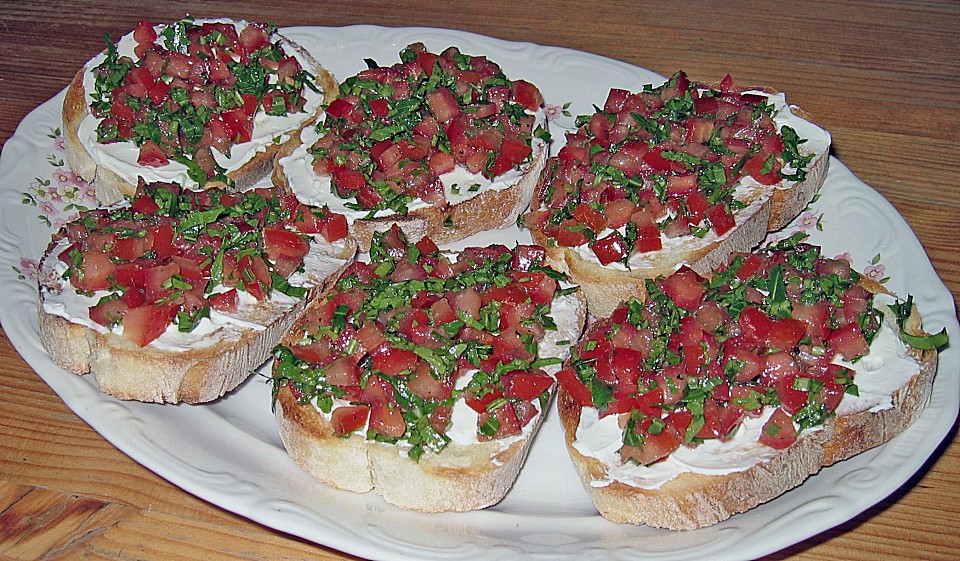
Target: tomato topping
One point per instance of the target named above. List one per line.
(242, 66)
(186, 249)
(416, 128)
(418, 349)
(674, 171)
(699, 358)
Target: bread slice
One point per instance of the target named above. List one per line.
(114, 173)
(468, 163)
(466, 474)
(490, 209)
(762, 208)
(716, 480)
(193, 367)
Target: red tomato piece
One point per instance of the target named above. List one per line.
(145, 323)
(525, 385)
(571, 383)
(778, 432)
(349, 418)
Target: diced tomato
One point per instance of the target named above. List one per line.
(284, 243)
(685, 288)
(779, 431)
(144, 204)
(525, 385)
(108, 312)
(721, 219)
(349, 418)
(392, 361)
(152, 155)
(506, 420)
(527, 95)
(443, 105)
(761, 166)
(849, 341)
(144, 32)
(342, 372)
(225, 301)
(425, 385)
(609, 248)
(95, 272)
(387, 419)
(145, 323)
(578, 391)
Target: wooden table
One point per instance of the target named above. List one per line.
(883, 77)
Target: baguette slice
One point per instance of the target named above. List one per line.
(755, 206)
(114, 170)
(709, 483)
(199, 366)
(465, 474)
(447, 208)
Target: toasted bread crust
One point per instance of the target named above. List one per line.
(110, 187)
(192, 375)
(463, 477)
(492, 209)
(692, 501)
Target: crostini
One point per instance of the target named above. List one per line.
(444, 145)
(718, 394)
(195, 102)
(178, 295)
(424, 376)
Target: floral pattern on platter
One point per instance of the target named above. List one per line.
(811, 219)
(59, 197)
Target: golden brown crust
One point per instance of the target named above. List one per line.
(692, 501)
(111, 187)
(151, 374)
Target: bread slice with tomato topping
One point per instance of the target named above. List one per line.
(714, 396)
(178, 295)
(443, 145)
(679, 174)
(195, 102)
(423, 376)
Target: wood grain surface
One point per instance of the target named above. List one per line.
(883, 77)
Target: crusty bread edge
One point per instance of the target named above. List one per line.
(693, 501)
(196, 375)
(109, 187)
(463, 477)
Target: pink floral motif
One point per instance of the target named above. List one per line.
(62, 176)
(807, 221)
(48, 208)
(29, 268)
(553, 112)
(845, 256)
(53, 193)
(875, 272)
(59, 144)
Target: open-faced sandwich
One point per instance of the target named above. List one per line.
(682, 173)
(424, 376)
(195, 102)
(444, 145)
(177, 295)
(716, 395)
